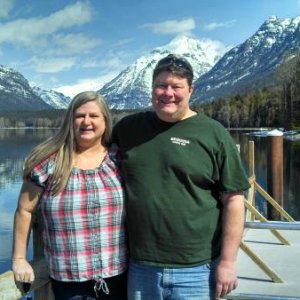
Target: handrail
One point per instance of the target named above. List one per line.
(246, 296)
(273, 225)
(256, 187)
(252, 214)
(260, 217)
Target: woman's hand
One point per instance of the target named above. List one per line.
(22, 270)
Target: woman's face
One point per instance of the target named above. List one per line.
(89, 124)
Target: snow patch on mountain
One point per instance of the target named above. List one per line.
(54, 99)
(131, 89)
(16, 93)
(275, 41)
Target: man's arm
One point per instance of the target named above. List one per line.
(232, 231)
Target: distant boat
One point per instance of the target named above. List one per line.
(291, 135)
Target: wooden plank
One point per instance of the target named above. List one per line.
(264, 267)
(252, 178)
(251, 158)
(260, 217)
(273, 203)
(251, 201)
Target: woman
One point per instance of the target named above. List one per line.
(73, 178)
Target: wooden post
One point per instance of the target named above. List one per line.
(45, 291)
(251, 191)
(251, 159)
(275, 171)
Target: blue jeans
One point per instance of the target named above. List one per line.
(156, 283)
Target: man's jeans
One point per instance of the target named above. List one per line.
(156, 283)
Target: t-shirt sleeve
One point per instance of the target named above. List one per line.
(41, 172)
(233, 177)
(114, 154)
(116, 131)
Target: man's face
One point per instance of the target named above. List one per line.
(170, 97)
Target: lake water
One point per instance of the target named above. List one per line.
(16, 144)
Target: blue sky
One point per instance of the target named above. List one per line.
(71, 46)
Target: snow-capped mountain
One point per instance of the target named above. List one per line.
(132, 87)
(54, 99)
(250, 62)
(246, 66)
(16, 93)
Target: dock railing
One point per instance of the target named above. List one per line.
(254, 219)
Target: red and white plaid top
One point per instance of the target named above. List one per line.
(84, 230)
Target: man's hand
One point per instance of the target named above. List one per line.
(226, 278)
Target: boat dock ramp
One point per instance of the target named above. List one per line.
(283, 262)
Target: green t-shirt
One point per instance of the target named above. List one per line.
(174, 173)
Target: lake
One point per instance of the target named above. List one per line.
(16, 144)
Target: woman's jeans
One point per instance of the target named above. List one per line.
(116, 285)
(155, 283)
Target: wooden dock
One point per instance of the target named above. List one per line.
(283, 259)
(254, 283)
(268, 260)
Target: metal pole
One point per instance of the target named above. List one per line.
(275, 171)
(248, 296)
(273, 225)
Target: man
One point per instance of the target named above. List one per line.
(184, 184)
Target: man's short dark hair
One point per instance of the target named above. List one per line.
(176, 65)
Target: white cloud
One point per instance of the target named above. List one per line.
(110, 64)
(214, 25)
(52, 65)
(28, 31)
(85, 84)
(73, 44)
(5, 7)
(123, 42)
(214, 48)
(172, 26)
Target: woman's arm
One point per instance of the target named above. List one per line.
(27, 203)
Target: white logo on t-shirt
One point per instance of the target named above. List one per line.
(179, 141)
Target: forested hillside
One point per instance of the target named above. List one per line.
(277, 106)
(46, 118)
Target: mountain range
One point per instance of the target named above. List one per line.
(132, 87)
(54, 99)
(217, 72)
(248, 64)
(17, 94)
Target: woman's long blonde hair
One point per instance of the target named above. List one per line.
(63, 145)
